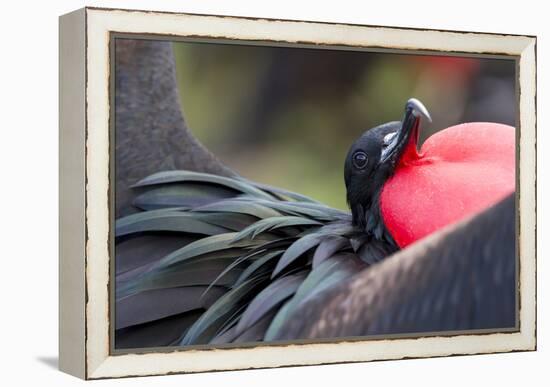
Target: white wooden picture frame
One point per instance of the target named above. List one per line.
(85, 189)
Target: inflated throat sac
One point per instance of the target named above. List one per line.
(457, 173)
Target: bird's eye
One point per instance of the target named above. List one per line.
(360, 160)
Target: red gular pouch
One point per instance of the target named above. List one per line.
(458, 172)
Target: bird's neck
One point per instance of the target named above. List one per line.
(367, 217)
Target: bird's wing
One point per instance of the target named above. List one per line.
(226, 258)
(460, 278)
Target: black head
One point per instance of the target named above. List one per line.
(372, 159)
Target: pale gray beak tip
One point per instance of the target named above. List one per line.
(418, 108)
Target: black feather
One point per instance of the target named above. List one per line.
(254, 253)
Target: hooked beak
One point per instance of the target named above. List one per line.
(405, 140)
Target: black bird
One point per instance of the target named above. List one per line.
(234, 259)
(371, 160)
(217, 259)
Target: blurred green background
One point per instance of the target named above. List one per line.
(286, 116)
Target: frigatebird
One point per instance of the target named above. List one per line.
(223, 259)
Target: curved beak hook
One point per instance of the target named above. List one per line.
(399, 142)
(417, 108)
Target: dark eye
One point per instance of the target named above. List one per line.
(360, 159)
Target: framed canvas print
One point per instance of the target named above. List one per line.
(243, 193)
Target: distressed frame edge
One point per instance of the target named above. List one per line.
(99, 361)
(72, 232)
(527, 208)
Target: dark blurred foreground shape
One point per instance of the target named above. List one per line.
(462, 278)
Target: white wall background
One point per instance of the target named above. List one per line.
(28, 191)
